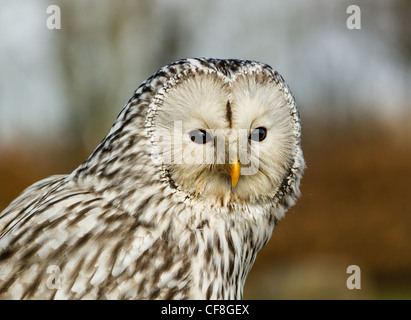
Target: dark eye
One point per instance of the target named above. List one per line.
(258, 134)
(200, 136)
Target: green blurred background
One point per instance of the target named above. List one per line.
(61, 90)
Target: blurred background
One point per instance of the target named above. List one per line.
(61, 90)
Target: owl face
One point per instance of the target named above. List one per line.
(227, 137)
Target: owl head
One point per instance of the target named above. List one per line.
(224, 131)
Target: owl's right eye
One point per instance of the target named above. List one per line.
(200, 136)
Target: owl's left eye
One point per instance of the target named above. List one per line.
(258, 134)
(200, 136)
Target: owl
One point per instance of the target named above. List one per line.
(174, 203)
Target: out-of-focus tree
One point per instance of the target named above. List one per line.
(91, 49)
(105, 52)
(390, 22)
(402, 28)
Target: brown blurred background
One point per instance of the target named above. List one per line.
(60, 91)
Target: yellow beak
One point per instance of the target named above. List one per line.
(235, 172)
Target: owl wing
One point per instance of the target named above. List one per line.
(58, 240)
(29, 198)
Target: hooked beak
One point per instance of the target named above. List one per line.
(234, 172)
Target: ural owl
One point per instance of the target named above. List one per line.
(174, 203)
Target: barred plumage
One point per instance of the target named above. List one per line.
(127, 224)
